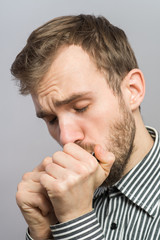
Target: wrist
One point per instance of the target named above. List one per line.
(73, 215)
(39, 235)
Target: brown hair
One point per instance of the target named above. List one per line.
(106, 44)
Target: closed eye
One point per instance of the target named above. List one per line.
(52, 121)
(80, 110)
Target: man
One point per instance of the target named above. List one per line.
(85, 84)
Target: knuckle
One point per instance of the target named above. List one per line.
(61, 189)
(26, 176)
(83, 169)
(88, 168)
(93, 164)
(42, 178)
(67, 147)
(83, 173)
(73, 181)
(20, 186)
(19, 198)
(56, 155)
(46, 161)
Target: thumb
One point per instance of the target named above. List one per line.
(105, 158)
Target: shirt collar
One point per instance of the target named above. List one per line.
(141, 184)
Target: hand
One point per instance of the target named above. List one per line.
(71, 179)
(34, 203)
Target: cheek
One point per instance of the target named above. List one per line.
(102, 117)
(96, 125)
(100, 121)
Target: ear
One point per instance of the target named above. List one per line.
(133, 88)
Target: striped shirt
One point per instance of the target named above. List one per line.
(129, 210)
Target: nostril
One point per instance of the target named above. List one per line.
(70, 131)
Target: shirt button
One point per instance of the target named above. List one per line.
(113, 226)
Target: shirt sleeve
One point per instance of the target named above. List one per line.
(85, 227)
(28, 237)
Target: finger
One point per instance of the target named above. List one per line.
(27, 201)
(43, 164)
(77, 152)
(30, 187)
(44, 205)
(105, 158)
(31, 183)
(48, 183)
(56, 171)
(65, 160)
(34, 176)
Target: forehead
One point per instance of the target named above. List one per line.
(70, 68)
(72, 72)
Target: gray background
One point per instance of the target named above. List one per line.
(24, 140)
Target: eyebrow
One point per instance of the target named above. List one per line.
(59, 103)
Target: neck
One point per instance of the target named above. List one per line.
(143, 143)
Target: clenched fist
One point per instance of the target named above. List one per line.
(72, 177)
(61, 188)
(34, 203)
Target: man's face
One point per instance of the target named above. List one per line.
(78, 106)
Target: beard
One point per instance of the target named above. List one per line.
(119, 140)
(121, 143)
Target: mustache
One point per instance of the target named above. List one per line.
(89, 147)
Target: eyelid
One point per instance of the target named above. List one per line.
(50, 119)
(81, 102)
(81, 109)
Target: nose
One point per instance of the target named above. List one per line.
(70, 131)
